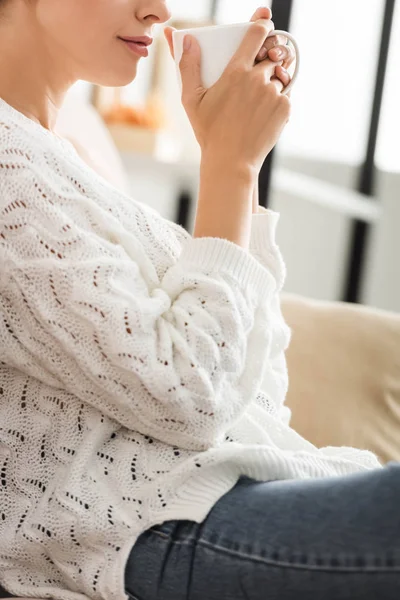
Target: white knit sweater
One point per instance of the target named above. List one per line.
(142, 371)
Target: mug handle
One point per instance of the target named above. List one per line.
(292, 39)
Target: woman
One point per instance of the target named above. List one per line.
(145, 449)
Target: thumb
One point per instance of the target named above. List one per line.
(190, 67)
(168, 33)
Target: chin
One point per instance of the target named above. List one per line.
(114, 77)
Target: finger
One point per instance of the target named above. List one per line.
(284, 54)
(291, 58)
(269, 73)
(168, 33)
(283, 75)
(252, 42)
(271, 42)
(267, 67)
(275, 73)
(190, 68)
(262, 13)
(278, 84)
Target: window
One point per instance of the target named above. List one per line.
(332, 98)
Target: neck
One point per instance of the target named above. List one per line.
(30, 72)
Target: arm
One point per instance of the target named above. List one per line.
(224, 208)
(174, 360)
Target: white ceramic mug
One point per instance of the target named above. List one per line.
(218, 45)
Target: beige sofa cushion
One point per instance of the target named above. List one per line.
(344, 372)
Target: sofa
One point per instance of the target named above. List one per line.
(344, 374)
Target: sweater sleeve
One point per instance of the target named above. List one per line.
(176, 360)
(264, 248)
(263, 243)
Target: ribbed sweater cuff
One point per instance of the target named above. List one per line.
(263, 232)
(217, 255)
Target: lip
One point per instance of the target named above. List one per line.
(140, 39)
(138, 45)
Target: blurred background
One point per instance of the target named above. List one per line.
(335, 175)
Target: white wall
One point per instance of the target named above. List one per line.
(315, 241)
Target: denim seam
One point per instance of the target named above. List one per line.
(165, 536)
(278, 563)
(295, 565)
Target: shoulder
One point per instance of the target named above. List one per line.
(32, 181)
(19, 149)
(24, 143)
(31, 163)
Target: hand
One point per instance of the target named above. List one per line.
(247, 98)
(274, 48)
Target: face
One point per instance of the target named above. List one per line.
(87, 36)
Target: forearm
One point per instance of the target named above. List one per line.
(225, 201)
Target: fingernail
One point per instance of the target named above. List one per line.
(263, 53)
(187, 43)
(278, 52)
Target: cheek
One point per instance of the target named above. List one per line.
(76, 23)
(84, 33)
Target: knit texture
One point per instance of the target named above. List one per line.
(142, 371)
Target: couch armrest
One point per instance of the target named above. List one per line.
(344, 373)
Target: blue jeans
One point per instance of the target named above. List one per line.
(327, 539)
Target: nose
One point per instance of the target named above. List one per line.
(153, 12)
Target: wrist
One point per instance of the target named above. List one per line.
(217, 165)
(225, 200)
